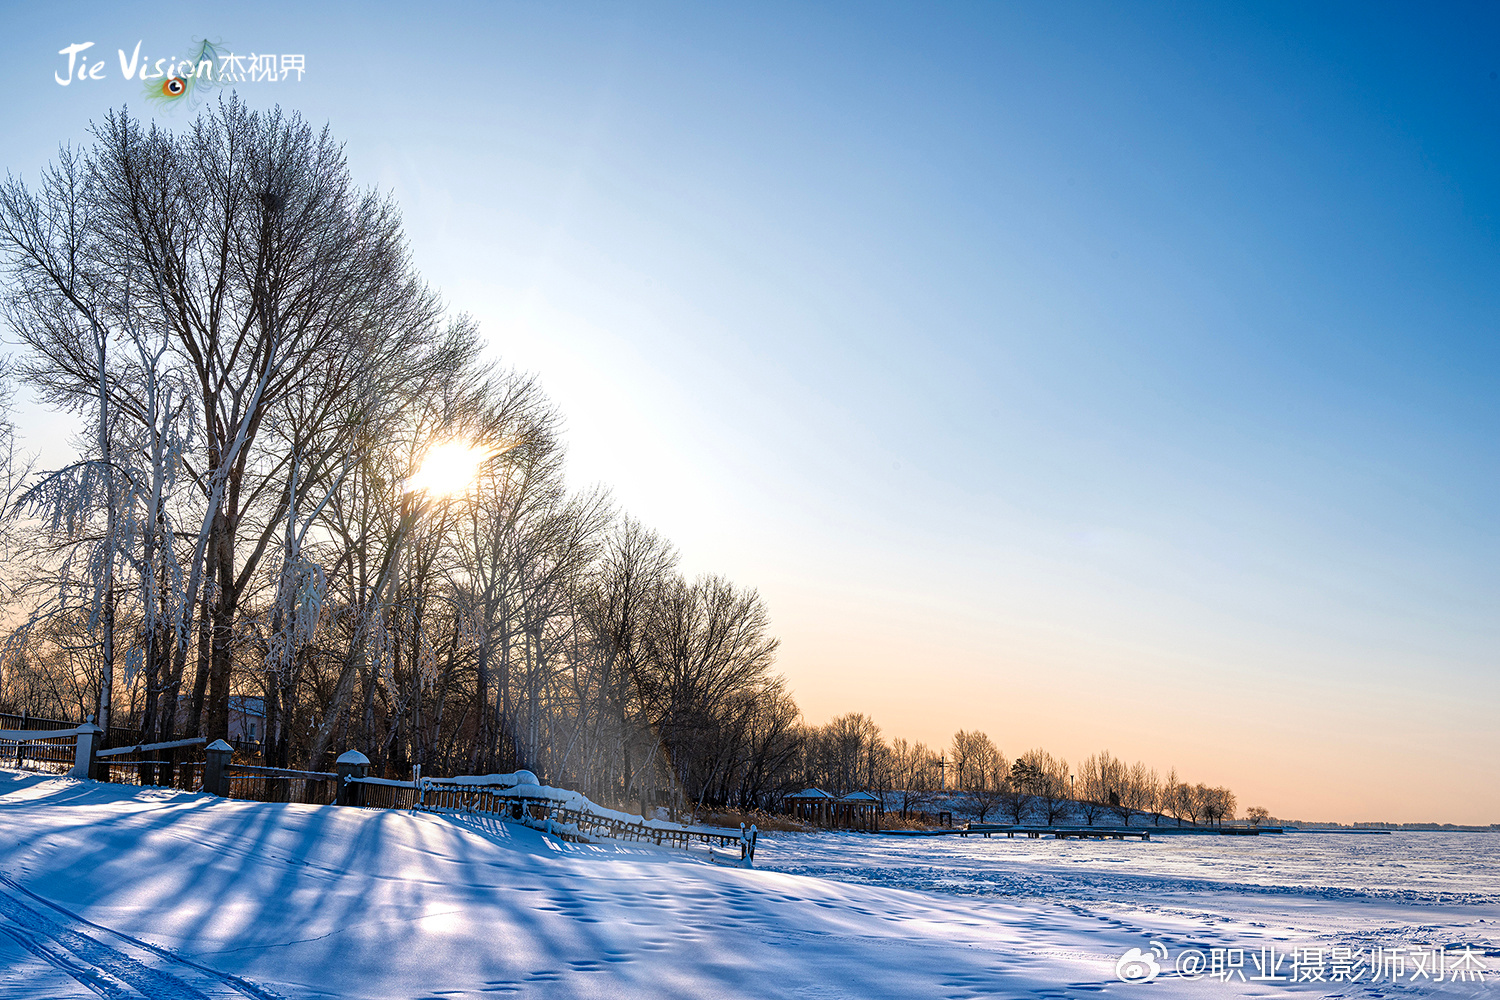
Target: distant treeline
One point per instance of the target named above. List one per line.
(849, 754)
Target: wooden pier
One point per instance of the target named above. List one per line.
(1058, 832)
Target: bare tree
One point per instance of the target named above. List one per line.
(618, 611)
(990, 793)
(1171, 798)
(275, 278)
(1114, 781)
(708, 640)
(981, 769)
(1140, 789)
(1190, 801)
(65, 297)
(1092, 791)
(959, 755)
(1217, 804)
(912, 775)
(771, 744)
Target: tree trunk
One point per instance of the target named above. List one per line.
(205, 640)
(107, 676)
(482, 700)
(342, 692)
(223, 633)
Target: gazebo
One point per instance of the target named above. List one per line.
(812, 805)
(858, 811)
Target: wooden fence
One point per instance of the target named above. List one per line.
(56, 751)
(378, 793)
(52, 754)
(53, 751)
(274, 784)
(72, 751)
(559, 818)
(120, 737)
(151, 764)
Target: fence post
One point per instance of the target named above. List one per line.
(216, 761)
(351, 764)
(86, 743)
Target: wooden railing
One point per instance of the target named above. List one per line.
(119, 736)
(378, 793)
(186, 775)
(55, 755)
(150, 764)
(57, 751)
(568, 822)
(275, 784)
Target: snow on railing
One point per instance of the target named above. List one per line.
(143, 747)
(519, 797)
(39, 746)
(29, 735)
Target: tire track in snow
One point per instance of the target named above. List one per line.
(92, 978)
(38, 933)
(111, 971)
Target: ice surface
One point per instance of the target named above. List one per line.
(122, 892)
(1300, 889)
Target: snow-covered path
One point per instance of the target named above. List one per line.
(116, 892)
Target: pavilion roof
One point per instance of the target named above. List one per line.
(811, 793)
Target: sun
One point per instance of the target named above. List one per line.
(449, 468)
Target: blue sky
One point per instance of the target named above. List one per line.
(1094, 375)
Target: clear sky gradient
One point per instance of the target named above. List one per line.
(1099, 376)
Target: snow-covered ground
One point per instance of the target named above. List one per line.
(116, 892)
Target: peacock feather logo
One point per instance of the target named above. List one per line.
(185, 80)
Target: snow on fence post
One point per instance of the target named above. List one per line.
(85, 745)
(216, 758)
(351, 764)
(747, 844)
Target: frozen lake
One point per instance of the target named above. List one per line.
(1404, 891)
(1420, 869)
